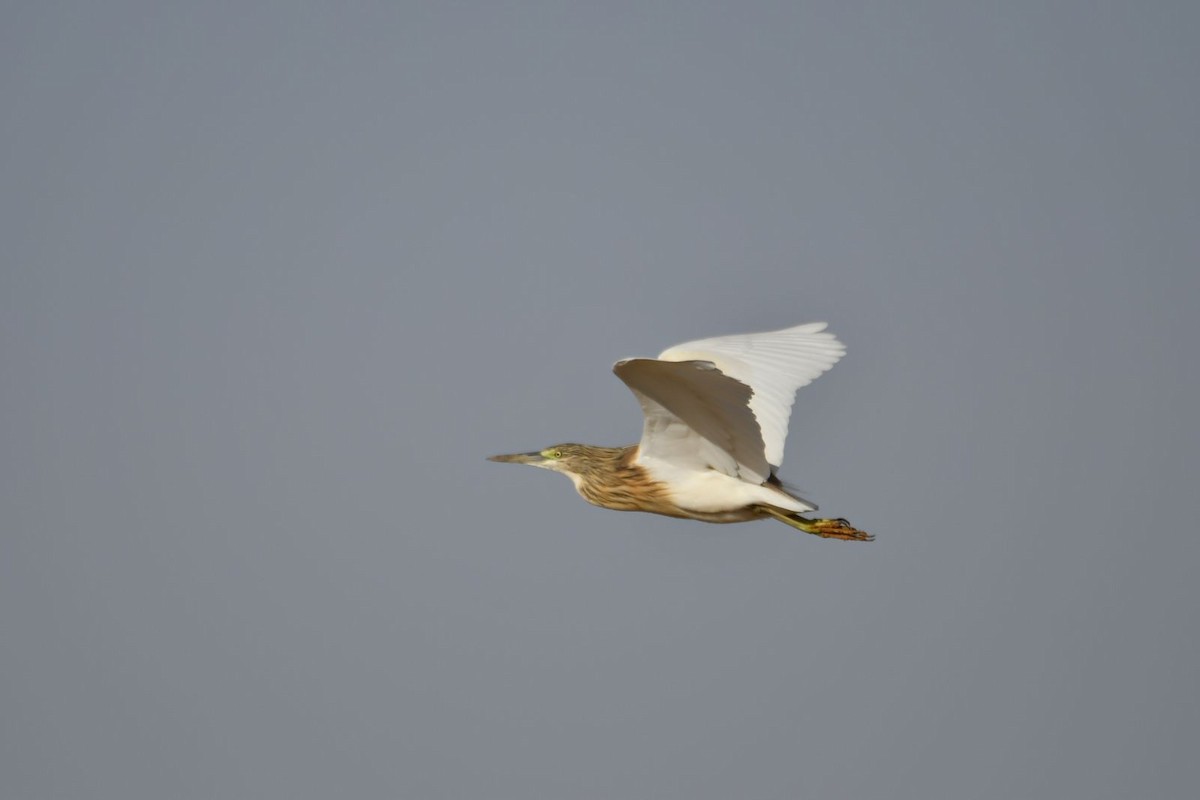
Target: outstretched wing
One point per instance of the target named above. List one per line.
(769, 366)
(696, 417)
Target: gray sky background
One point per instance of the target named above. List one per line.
(277, 277)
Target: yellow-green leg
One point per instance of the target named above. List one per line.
(825, 528)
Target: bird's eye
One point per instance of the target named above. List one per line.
(556, 454)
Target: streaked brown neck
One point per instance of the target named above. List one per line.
(610, 478)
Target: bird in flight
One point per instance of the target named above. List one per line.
(716, 417)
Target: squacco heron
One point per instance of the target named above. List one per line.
(716, 417)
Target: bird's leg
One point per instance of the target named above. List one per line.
(825, 528)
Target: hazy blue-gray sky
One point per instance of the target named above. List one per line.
(277, 276)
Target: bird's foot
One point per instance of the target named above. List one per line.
(825, 528)
(838, 529)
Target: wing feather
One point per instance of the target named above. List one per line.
(773, 365)
(696, 417)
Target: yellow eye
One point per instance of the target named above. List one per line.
(556, 454)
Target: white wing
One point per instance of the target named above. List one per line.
(770, 367)
(696, 417)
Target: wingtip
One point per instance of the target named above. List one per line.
(616, 367)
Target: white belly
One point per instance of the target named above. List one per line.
(711, 492)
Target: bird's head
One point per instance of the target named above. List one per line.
(585, 465)
(604, 476)
(570, 459)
